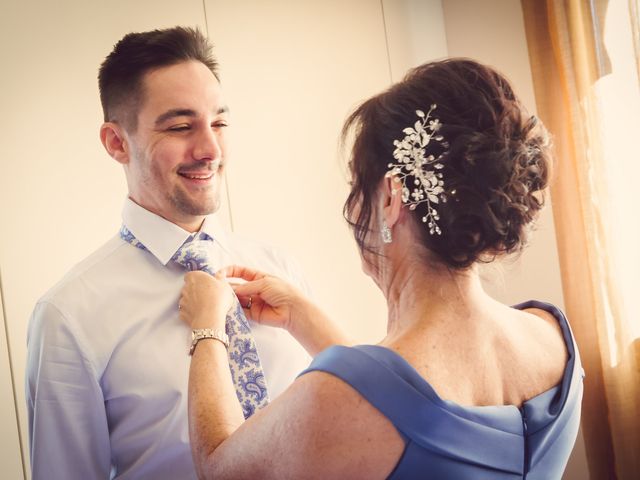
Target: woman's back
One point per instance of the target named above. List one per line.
(532, 437)
(500, 356)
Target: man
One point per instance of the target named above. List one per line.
(108, 357)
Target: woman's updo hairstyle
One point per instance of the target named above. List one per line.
(495, 166)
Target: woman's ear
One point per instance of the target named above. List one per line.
(392, 191)
(113, 139)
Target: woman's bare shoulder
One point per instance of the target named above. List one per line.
(547, 330)
(543, 347)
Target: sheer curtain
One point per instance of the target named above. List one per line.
(586, 69)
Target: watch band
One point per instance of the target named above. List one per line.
(202, 333)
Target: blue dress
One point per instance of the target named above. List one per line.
(444, 440)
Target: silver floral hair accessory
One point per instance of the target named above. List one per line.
(428, 185)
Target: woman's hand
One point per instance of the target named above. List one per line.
(205, 300)
(272, 301)
(267, 299)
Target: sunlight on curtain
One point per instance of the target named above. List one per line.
(618, 98)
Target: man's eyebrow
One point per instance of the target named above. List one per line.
(183, 112)
(175, 112)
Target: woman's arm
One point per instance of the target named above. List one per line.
(318, 428)
(214, 411)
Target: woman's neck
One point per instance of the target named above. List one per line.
(419, 296)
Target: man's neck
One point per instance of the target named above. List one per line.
(189, 223)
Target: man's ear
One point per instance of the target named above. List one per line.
(392, 191)
(114, 141)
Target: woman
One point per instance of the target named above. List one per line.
(448, 171)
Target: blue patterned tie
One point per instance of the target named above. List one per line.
(244, 362)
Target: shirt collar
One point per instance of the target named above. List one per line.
(162, 237)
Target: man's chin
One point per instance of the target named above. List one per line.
(197, 208)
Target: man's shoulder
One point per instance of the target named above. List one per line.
(94, 264)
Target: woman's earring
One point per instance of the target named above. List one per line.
(386, 233)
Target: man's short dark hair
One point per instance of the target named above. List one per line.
(121, 73)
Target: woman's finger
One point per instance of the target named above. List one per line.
(249, 288)
(245, 273)
(247, 301)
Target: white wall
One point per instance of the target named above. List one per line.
(415, 34)
(291, 72)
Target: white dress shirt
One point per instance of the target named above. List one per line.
(108, 362)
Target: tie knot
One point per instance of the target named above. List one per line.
(195, 253)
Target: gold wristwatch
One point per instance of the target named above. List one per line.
(202, 333)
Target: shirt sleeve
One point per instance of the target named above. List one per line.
(68, 433)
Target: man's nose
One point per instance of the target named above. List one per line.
(207, 145)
